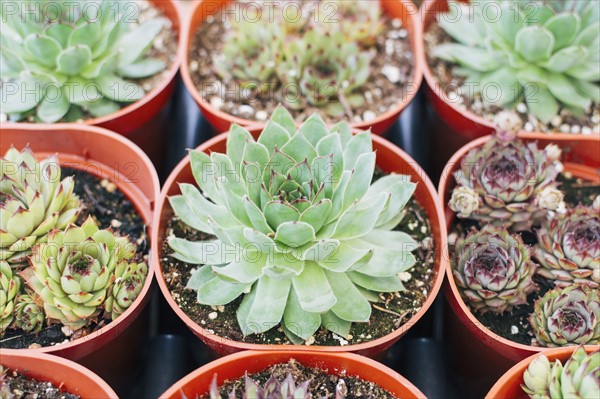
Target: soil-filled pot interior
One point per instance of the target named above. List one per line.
(393, 81)
(459, 100)
(50, 377)
(218, 326)
(361, 377)
(509, 385)
(116, 184)
(511, 333)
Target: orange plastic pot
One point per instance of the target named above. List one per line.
(62, 373)
(405, 10)
(235, 366)
(509, 385)
(137, 121)
(106, 155)
(390, 159)
(479, 346)
(462, 125)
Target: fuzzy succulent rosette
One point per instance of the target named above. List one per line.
(507, 182)
(300, 232)
(569, 247)
(493, 270)
(578, 378)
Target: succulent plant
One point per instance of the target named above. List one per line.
(567, 316)
(59, 65)
(569, 248)
(34, 201)
(29, 312)
(301, 233)
(360, 20)
(528, 50)
(579, 378)
(251, 50)
(10, 284)
(324, 70)
(514, 181)
(493, 270)
(73, 272)
(273, 389)
(129, 281)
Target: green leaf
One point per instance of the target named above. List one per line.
(319, 251)
(204, 173)
(566, 58)
(117, 89)
(136, 42)
(332, 144)
(322, 170)
(336, 325)
(256, 216)
(541, 103)
(60, 32)
(283, 117)
(313, 289)
(360, 218)
(590, 71)
(269, 304)
(299, 148)
(534, 43)
(72, 60)
(259, 154)
(314, 129)
(102, 107)
(87, 34)
(588, 35)
(43, 49)
(299, 322)
(261, 242)
(346, 257)
(273, 135)
(184, 212)
(278, 212)
(81, 90)
(54, 106)
(587, 89)
(564, 27)
(478, 59)
(236, 144)
(377, 284)
(244, 309)
(245, 270)
(20, 96)
(511, 20)
(283, 266)
(205, 209)
(317, 214)
(295, 234)
(401, 189)
(203, 252)
(103, 66)
(351, 304)
(13, 61)
(564, 91)
(502, 87)
(358, 145)
(387, 262)
(219, 292)
(361, 178)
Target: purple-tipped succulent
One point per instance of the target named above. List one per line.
(567, 316)
(569, 248)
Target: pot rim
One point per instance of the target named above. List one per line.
(245, 356)
(135, 106)
(429, 7)
(446, 182)
(75, 368)
(416, 41)
(516, 371)
(199, 331)
(114, 325)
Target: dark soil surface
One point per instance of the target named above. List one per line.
(450, 84)
(25, 388)
(393, 310)
(515, 325)
(322, 384)
(110, 208)
(392, 77)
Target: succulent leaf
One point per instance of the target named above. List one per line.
(292, 239)
(10, 286)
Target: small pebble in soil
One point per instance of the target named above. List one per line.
(22, 387)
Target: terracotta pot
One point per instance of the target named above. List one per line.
(63, 373)
(106, 155)
(509, 385)
(389, 158)
(235, 366)
(137, 121)
(461, 125)
(480, 347)
(404, 10)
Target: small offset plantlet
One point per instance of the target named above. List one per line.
(29, 312)
(325, 69)
(129, 281)
(507, 182)
(301, 233)
(73, 272)
(569, 247)
(73, 62)
(544, 53)
(34, 201)
(10, 284)
(493, 270)
(578, 378)
(567, 316)
(273, 389)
